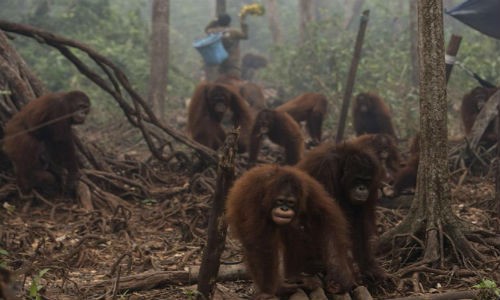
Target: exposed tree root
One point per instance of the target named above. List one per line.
(422, 244)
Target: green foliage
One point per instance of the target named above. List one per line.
(36, 287)
(190, 294)
(125, 295)
(489, 289)
(3, 253)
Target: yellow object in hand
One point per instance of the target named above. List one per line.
(256, 9)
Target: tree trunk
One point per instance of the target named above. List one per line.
(274, 24)
(414, 43)
(159, 57)
(430, 218)
(305, 15)
(220, 7)
(212, 9)
(433, 190)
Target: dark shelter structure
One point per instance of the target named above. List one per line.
(482, 15)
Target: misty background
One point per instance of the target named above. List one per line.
(121, 31)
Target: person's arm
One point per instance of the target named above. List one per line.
(243, 34)
(240, 34)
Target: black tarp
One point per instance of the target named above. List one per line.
(482, 15)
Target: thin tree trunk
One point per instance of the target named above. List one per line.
(212, 8)
(274, 24)
(305, 15)
(433, 190)
(221, 7)
(159, 57)
(497, 179)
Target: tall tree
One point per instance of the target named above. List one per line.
(433, 193)
(159, 57)
(305, 15)
(430, 224)
(274, 24)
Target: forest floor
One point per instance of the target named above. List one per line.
(67, 252)
(81, 248)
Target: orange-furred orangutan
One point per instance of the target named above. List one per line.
(282, 130)
(371, 115)
(209, 103)
(406, 178)
(40, 142)
(253, 94)
(308, 107)
(288, 225)
(472, 103)
(385, 149)
(352, 175)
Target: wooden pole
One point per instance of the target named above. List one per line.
(217, 226)
(352, 75)
(451, 53)
(497, 179)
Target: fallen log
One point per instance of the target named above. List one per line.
(454, 295)
(151, 280)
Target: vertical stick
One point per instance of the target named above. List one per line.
(451, 53)
(497, 181)
(217, 226)
(352, 75)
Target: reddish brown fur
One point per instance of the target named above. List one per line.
(406, 177)
(281, 130)
(250, 63)
(385, 149)
(371, 115)
(254, 95)
(340, 168)
(204, 122)
(472, 103)
(308, 107)
(414, 147)
(40, 151)
(318, 233)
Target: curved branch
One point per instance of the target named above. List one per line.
(137, 115)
